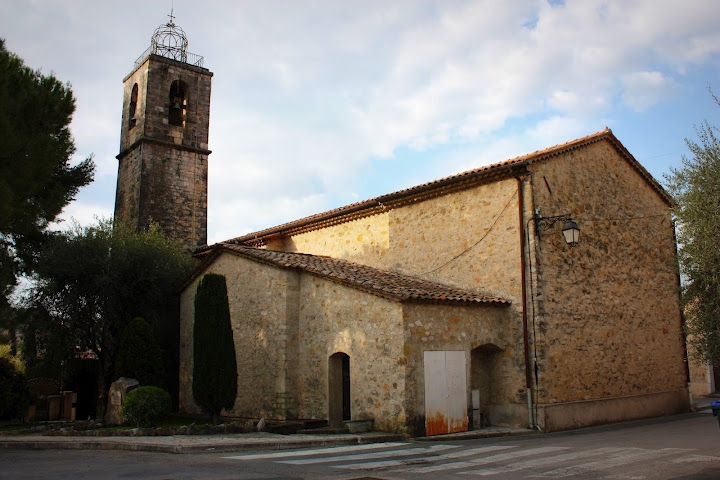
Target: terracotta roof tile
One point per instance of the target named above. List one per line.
(390, 285)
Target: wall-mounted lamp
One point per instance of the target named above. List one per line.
(570, 230)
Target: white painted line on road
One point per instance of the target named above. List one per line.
(435, 458)
(317, 451)
(630, 455)
(485, 460)
(542, 462)
(369, 456)
(696, 458)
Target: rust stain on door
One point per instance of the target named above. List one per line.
(458, 425)
(436, 425)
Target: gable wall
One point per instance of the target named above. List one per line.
(422, 239)
(608, 318)
(369, 329)
(258, 311)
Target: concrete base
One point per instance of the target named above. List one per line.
(571, 415)
(514, 415)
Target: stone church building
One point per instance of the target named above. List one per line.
(463, 302)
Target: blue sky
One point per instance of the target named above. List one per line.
(317, 104)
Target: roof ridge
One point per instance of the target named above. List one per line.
(381, 203)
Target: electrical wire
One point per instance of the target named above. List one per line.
(476, 243)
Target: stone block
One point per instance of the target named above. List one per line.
(116, 396)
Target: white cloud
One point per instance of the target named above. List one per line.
(644, 89)
(307, 94)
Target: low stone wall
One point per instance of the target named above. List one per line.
(586, 413)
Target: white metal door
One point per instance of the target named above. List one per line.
(445, 392)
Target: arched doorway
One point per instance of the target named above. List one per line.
(338, 389)
(484, 362)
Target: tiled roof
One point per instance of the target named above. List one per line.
(442, 186)
(381, 283)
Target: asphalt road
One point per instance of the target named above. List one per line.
(678, 447)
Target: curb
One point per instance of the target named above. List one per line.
(475, 434)
(189, 445)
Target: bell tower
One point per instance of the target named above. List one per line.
(163, 159)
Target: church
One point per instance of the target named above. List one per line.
(539, 292)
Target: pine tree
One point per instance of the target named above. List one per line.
(37, 179)
(214, 368)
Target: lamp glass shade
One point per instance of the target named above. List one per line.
(571, 232)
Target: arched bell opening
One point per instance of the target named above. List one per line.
(132, 106)
(177, 108)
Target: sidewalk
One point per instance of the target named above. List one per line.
(229, 442)
(703, 403)
(246, 441)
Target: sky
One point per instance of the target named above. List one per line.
(317, 104)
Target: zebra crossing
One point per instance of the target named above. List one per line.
(483, 461)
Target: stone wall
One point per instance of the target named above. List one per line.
(702, 374)
(365, 241)
(607, 316)
(468, 239)
(163, 168)
(154, 79)
(369, 329)
(257, 299)
(286, 325)
(493, 353)
(127, 193)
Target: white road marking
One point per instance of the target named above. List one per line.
(696, 458)
(630, 455)
(369, 456)
(485, 460)
(542, 462)
(318, 451)
(435, 458)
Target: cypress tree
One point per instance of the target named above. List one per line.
(214, 367)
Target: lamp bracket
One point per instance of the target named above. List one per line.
(546, 223)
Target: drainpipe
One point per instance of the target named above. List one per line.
(526, 342)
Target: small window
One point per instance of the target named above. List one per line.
(178, 103)
(133, 106)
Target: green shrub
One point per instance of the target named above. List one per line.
(14, 392)
(139, 355)
(146, 406)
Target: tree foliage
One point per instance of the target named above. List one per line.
(14, 392)
(36, 177)
(214, 365)
(696, 187)
(139, 355)
(92, 280)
